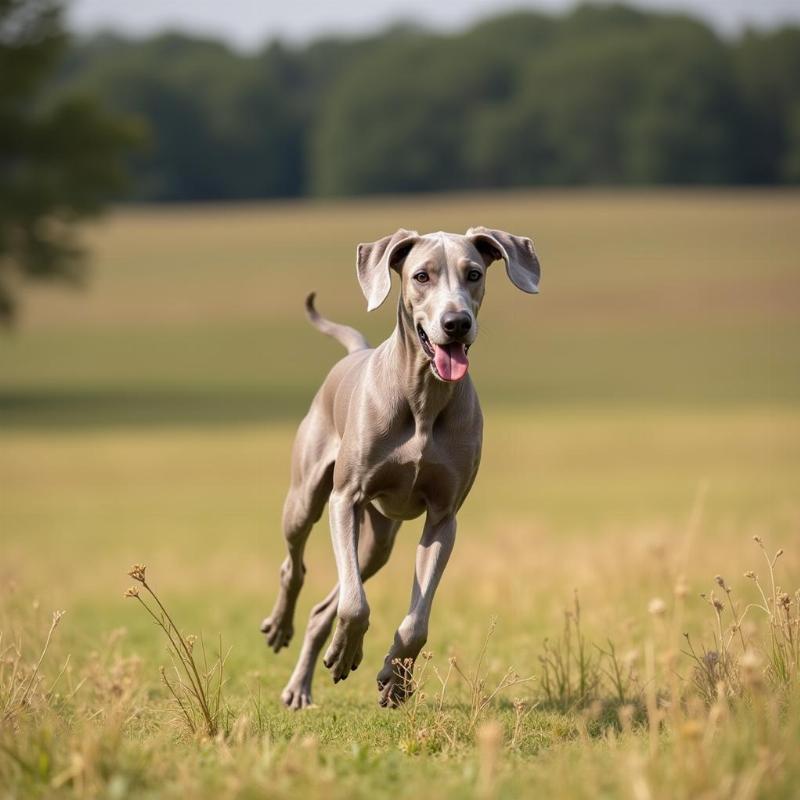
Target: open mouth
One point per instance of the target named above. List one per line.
(448, 361)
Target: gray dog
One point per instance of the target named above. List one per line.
(393, 432)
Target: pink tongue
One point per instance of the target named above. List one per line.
(451, 361)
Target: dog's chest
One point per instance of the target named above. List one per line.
(420, 473)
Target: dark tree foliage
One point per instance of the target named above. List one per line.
(768, 73)
(59, 161)
(604, 94)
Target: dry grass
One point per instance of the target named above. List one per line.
(96, 725)
(20, 686)
(737, 660)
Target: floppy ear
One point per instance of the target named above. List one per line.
(522, 265)
(374, 259)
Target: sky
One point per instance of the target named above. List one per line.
(248, 23)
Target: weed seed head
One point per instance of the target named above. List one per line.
(132, 591)
(657, 607)
(751, 666)
(711, 659)
(137, 572)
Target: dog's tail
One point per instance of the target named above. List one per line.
(344, 334)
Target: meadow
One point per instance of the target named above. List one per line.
(641, 428)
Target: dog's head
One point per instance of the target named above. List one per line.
(442, 279)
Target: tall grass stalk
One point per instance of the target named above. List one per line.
(17, 685)
(196, 688)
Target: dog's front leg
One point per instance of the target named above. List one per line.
(433, 552)
(346, 650)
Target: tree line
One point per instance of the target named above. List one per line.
(600, 95)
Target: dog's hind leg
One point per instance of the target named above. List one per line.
(375, 542)
(312, 479)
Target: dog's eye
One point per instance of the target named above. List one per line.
(422, 277)
(474, 275)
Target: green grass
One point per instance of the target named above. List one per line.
(149, 419)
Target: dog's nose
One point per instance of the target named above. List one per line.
(456, 323)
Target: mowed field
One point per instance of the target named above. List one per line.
(642, 425)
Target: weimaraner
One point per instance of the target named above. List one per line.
(393, 432)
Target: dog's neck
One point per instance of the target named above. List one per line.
(426, 395)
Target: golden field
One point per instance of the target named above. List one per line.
(641, 427)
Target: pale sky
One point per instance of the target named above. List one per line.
(248, 23)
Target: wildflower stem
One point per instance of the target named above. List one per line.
(212, 728)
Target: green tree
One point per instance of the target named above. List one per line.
(396, 120)
(768, 72)
(603, 94)
(60, 160)
(618, 96)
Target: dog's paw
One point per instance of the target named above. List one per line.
(278, 630)
(346, 651)
(297, 695)
(395, 682)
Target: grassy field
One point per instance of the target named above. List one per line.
(641, 427)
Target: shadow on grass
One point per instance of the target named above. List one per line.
(48, 409)
(51, 408)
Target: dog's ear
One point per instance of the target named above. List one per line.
(375, 259)
(522, 265)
